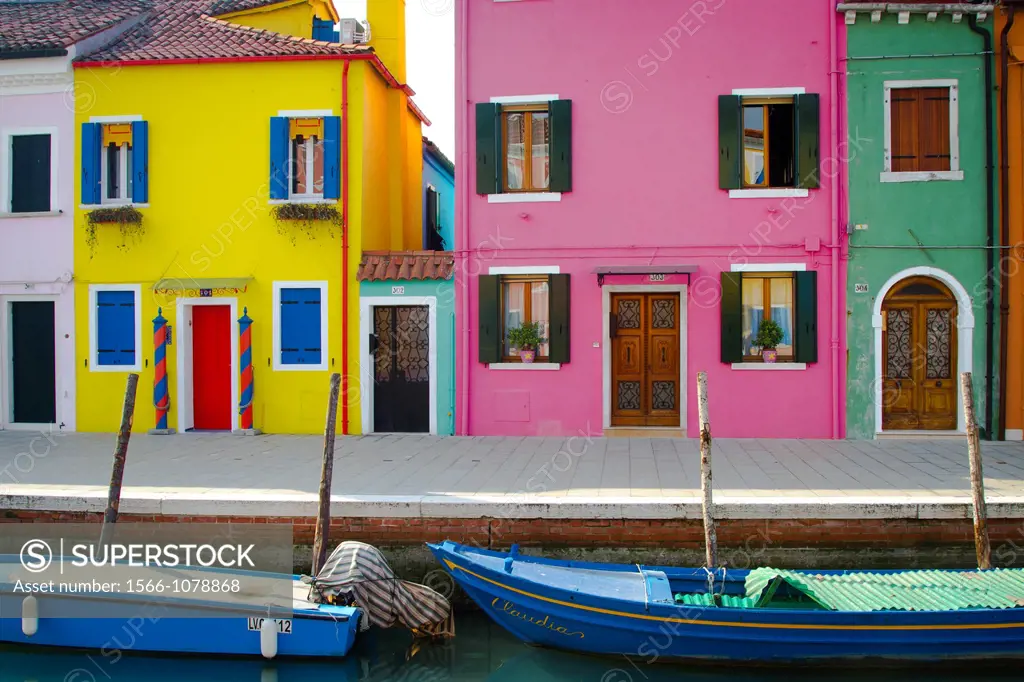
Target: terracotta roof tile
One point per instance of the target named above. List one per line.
(55, 24)
(405, 265)
(189, 29)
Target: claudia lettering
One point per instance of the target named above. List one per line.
(546, 623)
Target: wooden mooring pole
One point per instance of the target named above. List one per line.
(323, 516)
(981, 541)
(710, 538)
(124, 433)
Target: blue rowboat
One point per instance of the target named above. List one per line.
(758, 616)
(116, 622)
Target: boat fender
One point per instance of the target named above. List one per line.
(268, 638)
(508, 564)
(30, 616)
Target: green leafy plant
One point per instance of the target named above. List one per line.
(769, 335)
(127, 218)
(526, 336)
(310, 218)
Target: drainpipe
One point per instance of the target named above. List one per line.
(344, 248)
(462, 240)
(833, 33)
(1004, 208)
(990, 278)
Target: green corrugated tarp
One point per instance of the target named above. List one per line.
(903, 591)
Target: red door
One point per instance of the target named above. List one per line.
(211, 367)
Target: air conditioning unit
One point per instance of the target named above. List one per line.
(354, 32)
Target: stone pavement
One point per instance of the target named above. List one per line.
(407, 476)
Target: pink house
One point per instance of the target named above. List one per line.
(651, 185)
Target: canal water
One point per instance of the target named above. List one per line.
(481, 652)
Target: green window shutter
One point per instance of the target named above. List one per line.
(806, 336)
(560, 179)
(732, 317)
(488, 148)
(808, 136)
(558, 309)
(489, 294)
(730, 142)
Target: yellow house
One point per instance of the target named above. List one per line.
(233, 169)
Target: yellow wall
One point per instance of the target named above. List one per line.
(1013, 267)
(208, 216)
(291, 17)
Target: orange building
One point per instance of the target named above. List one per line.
(1009, 68)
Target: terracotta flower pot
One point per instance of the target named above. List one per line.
(769, 355)
(527, 356)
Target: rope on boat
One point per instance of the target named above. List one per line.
(357, 573)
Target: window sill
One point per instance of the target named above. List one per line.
(525, 365)
(772, 193)
(301, 200)
(137, 367)
(277, 367)
(523, 197)
(920, 176)
(781, 366)
(33, 214)
(112, 204)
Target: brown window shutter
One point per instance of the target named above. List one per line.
(904, 115)
(934, 146)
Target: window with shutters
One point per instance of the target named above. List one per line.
(524, 149)
(524, 298)
(300, 326)
(115, 328)
(921, 139)
(768, 142)
(115, 162)
(432, 239)
(28, 179)
(781, 293)
(305, 157)
(508, 298)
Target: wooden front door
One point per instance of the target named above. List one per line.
(211, 367)
(919, 357)
(645, 359)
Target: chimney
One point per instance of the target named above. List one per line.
(387, 33)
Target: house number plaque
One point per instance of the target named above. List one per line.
(397, 291)
(860, 288)
(657, 278)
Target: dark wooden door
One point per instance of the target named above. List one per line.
(401, 353)
(645, 359)
(919, 357)
(211, 367)
(33, 358)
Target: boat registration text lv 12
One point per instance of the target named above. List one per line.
(284, 626)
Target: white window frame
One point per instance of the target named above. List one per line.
(94, 365)
(122, 165)
(523, 197)
(276, 363)
(310, 165)
(768, 192)
(770, 267)
(525, 270)
(7, 178)
(954, 172)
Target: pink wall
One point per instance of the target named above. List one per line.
(644, 78)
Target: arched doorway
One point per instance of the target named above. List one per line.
(919, 356)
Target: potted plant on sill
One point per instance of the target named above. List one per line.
(526, 337)
(769, 336)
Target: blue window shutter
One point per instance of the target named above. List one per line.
(279, 157)
(92, 140)
(332, 157)
(115, 328)
(140, 162)
(300, 327)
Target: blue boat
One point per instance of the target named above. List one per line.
(115, 622)
(758, 616)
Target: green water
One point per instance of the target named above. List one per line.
(481, 652)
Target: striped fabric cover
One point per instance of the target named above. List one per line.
(357, 573)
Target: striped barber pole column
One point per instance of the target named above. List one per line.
(161, 399)
(245, 360)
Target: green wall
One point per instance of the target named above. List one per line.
(444, 292)
(938, 213)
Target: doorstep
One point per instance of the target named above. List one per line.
(643, 432)
(921, 435)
